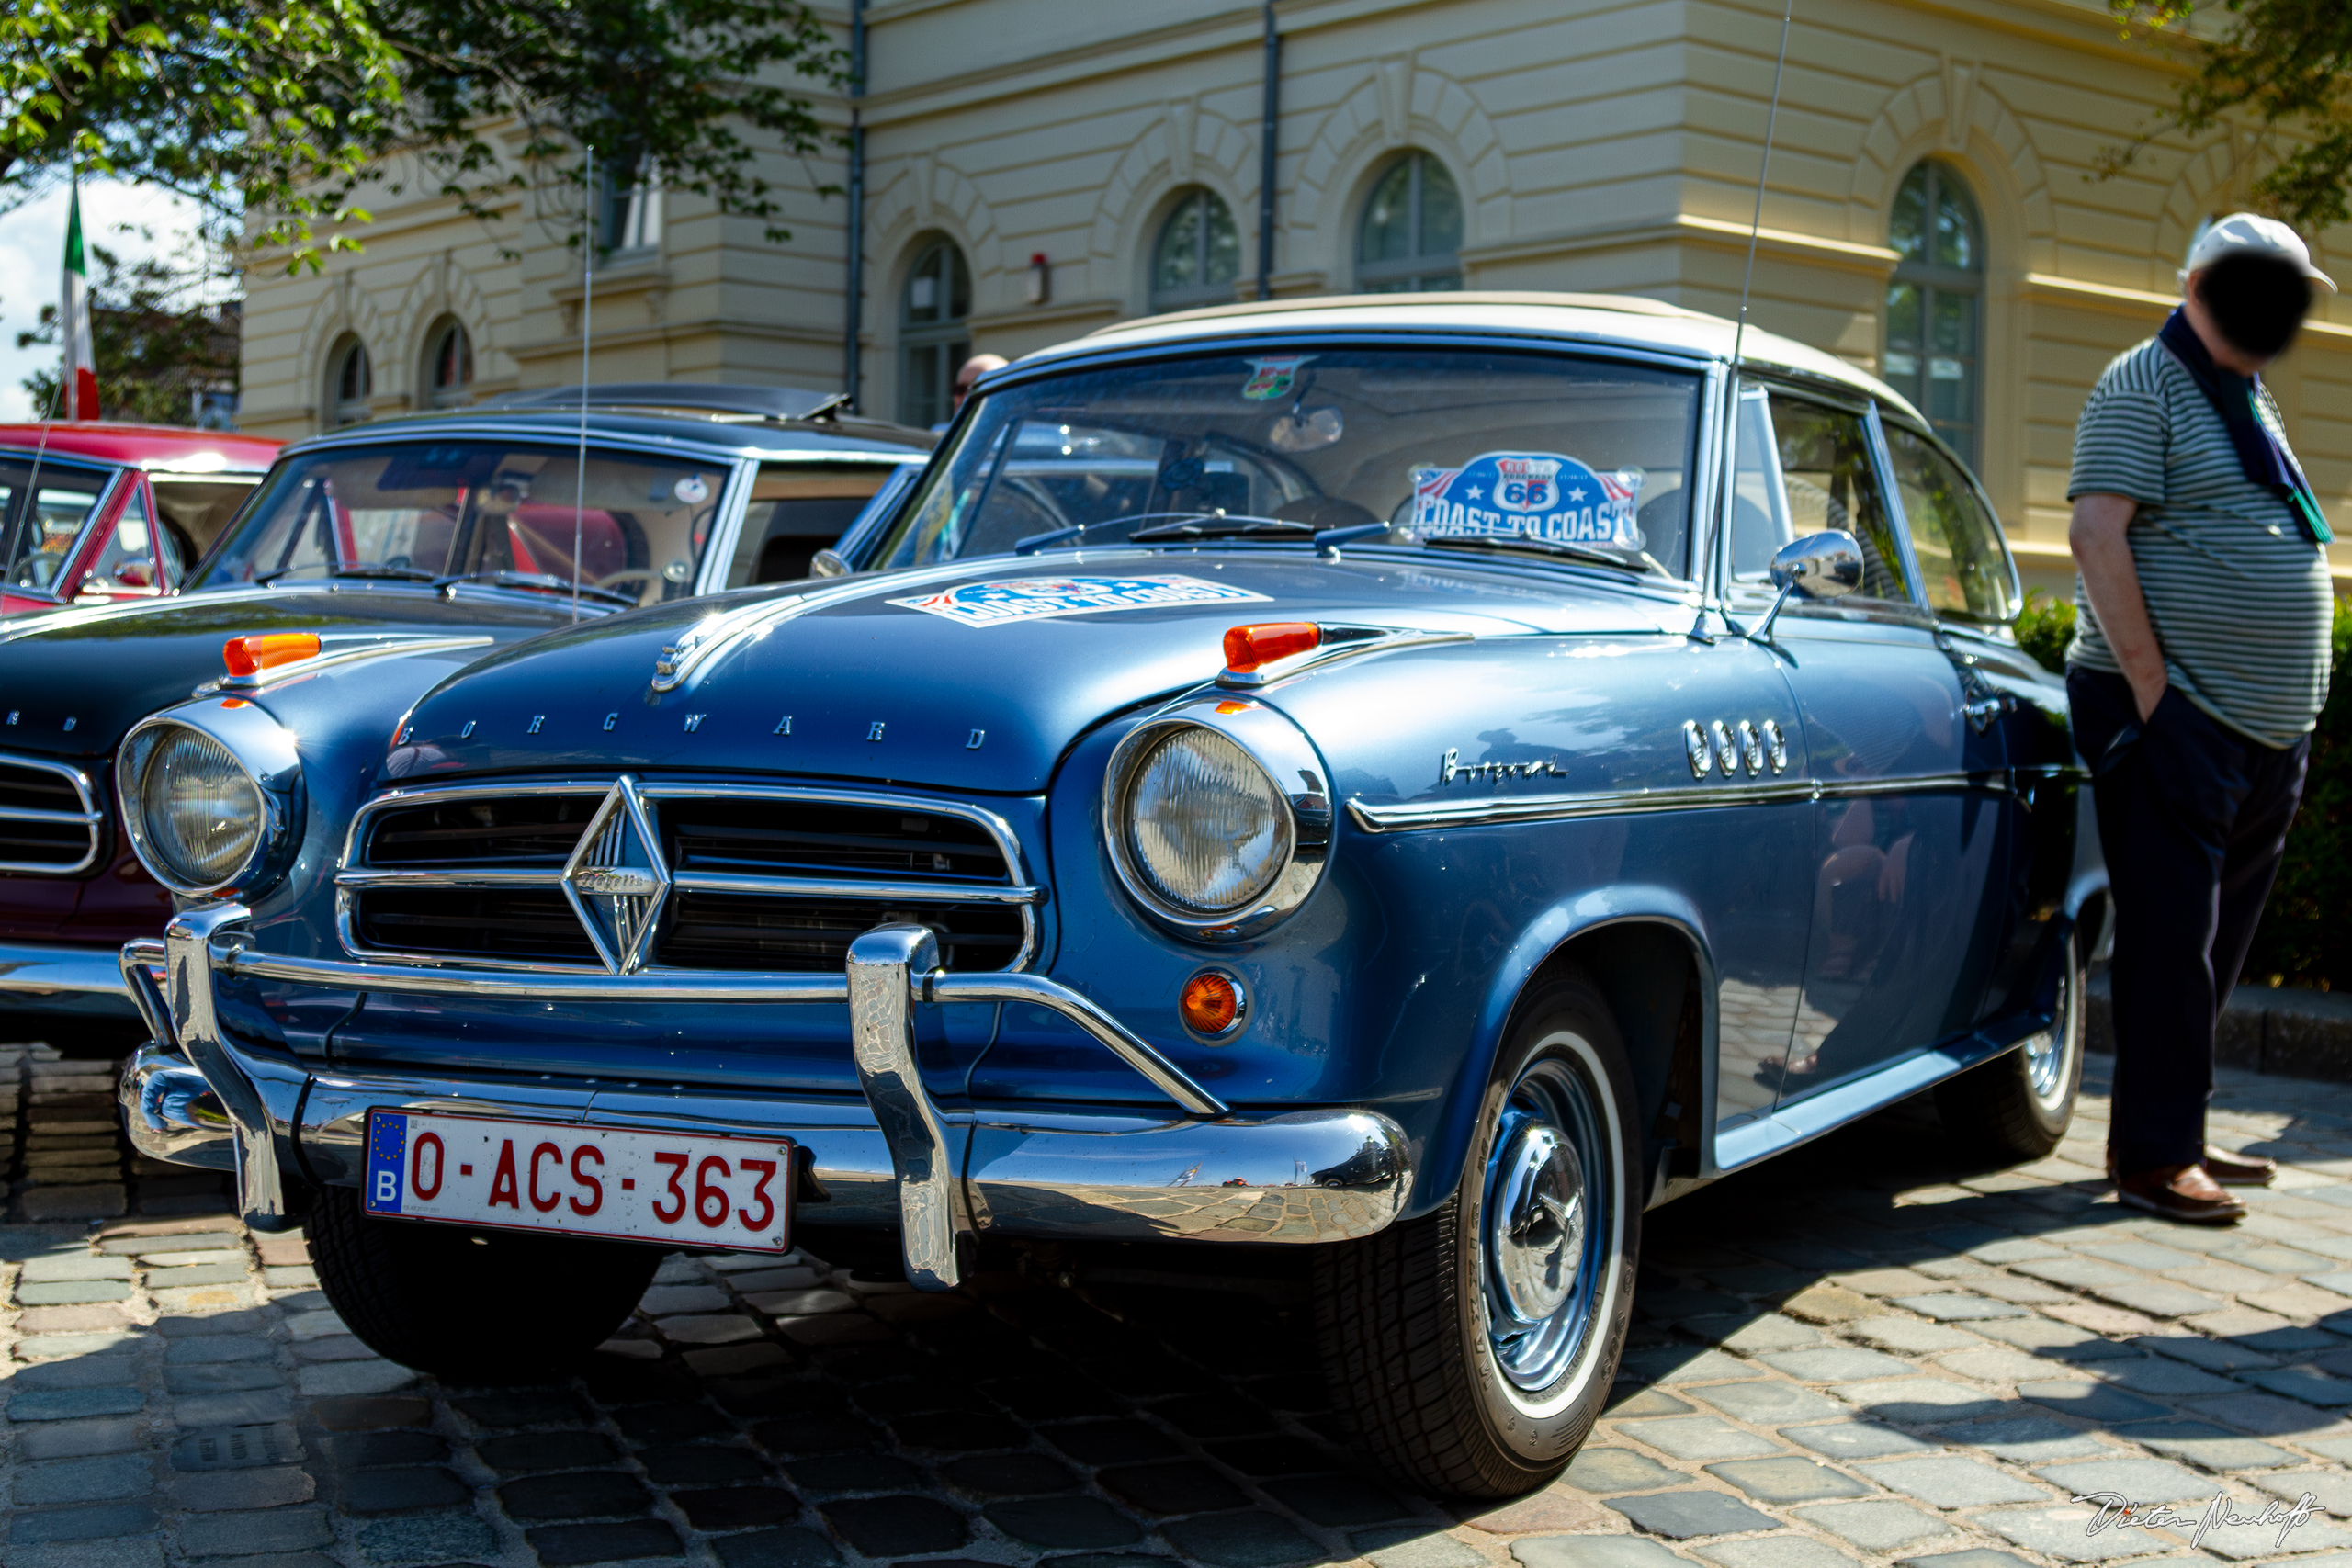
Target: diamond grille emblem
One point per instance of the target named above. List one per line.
(616, 880)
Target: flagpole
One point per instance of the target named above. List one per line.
(29, 516)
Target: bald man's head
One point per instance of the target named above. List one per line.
(974, 369)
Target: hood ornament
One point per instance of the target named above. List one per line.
(615, 879)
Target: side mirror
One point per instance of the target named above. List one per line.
(1827, 565)
(829, 563)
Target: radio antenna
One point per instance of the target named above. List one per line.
(587, 317)
(1756, 222)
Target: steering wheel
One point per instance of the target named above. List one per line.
(38, 569)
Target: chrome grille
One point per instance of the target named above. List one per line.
(51, 821)
(745, 878)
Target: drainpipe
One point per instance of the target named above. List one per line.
(853, 305)
(1266, 156)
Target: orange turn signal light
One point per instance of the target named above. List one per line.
(1210, 1003)
(267, 651)
(1248, 648)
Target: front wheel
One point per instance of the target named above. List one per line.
(1474, 1346)
(471, 1306)
(2018, 1105)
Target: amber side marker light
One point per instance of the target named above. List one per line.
(1210, 1003)
(267, 651)
(1248, 648)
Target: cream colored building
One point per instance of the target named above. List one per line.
(1035, 169)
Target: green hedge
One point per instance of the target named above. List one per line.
(2306, 935)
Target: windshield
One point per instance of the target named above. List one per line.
(1430, 442)
(499, 511)
(37, 530)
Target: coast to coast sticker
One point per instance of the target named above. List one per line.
(1546, 494)
(997, 602)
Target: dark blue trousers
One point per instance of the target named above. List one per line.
(2193, 819)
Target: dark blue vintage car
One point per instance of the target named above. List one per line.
(379, 559)
(1415, 782)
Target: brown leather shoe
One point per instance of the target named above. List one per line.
(2239, 1170)
(2182, 1192)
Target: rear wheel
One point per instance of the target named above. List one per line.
(1474, 1346)
(471, 1306)
(2018, 1105)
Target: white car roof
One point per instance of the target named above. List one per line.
(1626, 319)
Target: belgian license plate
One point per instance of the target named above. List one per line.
(683, 1189)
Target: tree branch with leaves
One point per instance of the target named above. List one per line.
(2289, 62)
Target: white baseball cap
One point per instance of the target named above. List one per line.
(2247, 234)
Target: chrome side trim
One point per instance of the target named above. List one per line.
(1411, 815)
(91, 819)
(337, 650)
(933, 1222)
(356, 873)
(42, 969)
(1039, 991)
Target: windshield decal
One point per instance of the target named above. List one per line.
(1037, 598)
(1545, 494)
(1272, 378)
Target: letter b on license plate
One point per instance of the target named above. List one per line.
(684, 1190)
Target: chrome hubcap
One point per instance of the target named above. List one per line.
(1538, 1221)
(2047, 1053)
(1547, 1201)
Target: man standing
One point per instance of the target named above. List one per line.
(2198, 667)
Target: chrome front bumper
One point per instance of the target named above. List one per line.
(34, 971)
(893, 1158)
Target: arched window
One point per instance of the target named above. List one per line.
(1411, 231)
(1198, 255)
(1935, 303)
(350, 384)
(933, 342)
(449, 367)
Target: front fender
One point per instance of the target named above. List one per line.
(1551, 934)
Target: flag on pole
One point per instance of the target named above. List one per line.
(81, 366)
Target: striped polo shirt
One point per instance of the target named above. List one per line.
(2239, 597)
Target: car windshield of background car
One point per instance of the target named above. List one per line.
(466, 508)
(798, 509)
(1800, 467)
(35, 540)
(1428, 441)
(193, 511)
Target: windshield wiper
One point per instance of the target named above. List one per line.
(1528, 544)
(1227, 527)
(504, 579)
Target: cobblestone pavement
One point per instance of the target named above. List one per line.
(1864, 1353)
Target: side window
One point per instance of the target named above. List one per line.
(798, 509)
(139, 559)
(1825, 480)
(37, 530)
(1964, 566)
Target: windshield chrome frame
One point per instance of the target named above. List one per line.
(1704, 367)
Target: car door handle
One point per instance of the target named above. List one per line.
(1981, 713)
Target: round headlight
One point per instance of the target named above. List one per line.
(1207, 828)
(201, 812)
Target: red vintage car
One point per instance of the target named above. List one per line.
(91, 513)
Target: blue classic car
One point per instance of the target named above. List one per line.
(1418, 781)
(379, 559)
